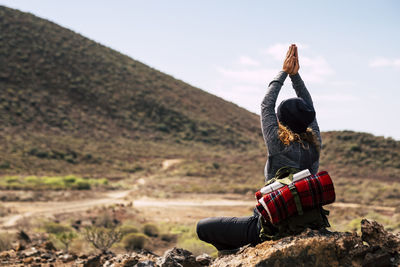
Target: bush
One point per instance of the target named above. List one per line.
(82, 185)
(11, 179)
(66, 238)
(150, 230)
(169, 237)
(70, 179)
(102, 238)
(134, 241)
(128, 229)
(5, 165)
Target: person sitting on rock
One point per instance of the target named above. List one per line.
(292, 138)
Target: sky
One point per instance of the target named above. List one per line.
(349, 51)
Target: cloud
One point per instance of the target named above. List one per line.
(248, 76)
(335, 98)
(247, 61)
(380, 62)
(344, 83)
(315, 69)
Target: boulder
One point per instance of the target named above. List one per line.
(178, 257)
(315, 248)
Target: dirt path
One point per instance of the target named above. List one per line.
(45, 209)
(181, 209)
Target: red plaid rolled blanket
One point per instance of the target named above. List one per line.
(313, 191)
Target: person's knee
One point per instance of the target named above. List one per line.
(200, 229)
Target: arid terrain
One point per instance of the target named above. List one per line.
(102, 154)
(181, 209)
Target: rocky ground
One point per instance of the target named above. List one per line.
(375, 247)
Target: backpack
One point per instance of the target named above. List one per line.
(295, 211)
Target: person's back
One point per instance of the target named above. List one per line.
(293, 143)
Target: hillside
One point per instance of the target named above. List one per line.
(69, 105)
(353, 154)
(67, 98)
(54, 78)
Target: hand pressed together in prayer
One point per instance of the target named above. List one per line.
(291, 64)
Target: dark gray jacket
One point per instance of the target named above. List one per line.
(279, 155)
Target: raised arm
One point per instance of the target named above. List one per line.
(269, 122)
(300, 88)
(301, 91)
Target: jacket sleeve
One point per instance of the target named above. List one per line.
(301, 91)
(269, 122)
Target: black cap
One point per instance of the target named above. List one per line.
(296, 114)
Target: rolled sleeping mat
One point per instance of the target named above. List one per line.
(305, 194)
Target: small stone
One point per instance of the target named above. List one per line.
(147, 263)
(93, 261)
(203, 259)
(67, 258)
(59, 253)
(46, 256)
(33, 252)
(28, 260)
(178, 257)
(5, 255)
(129, 262)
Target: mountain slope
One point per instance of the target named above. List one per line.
(360, 154)
(54, 78)
(71, 105)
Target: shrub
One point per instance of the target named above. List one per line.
(169, 237)
(53, 182)
(150, 230)
(82, 185)
(5, 165)
(70, 179)
(134, 241)
(102, 238)
(66, 238)
(128, 229)
(11, 179)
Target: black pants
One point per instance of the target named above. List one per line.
(227, 233)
